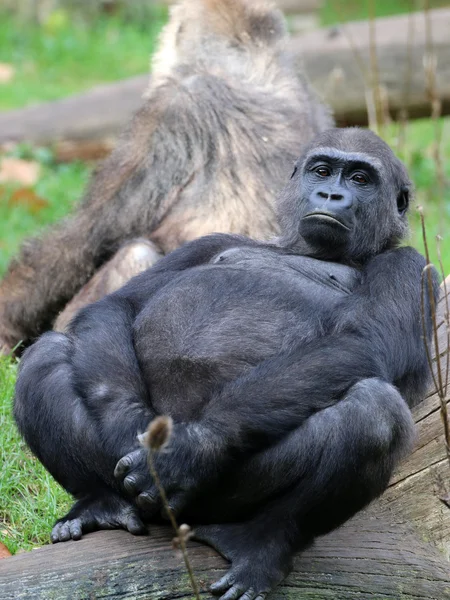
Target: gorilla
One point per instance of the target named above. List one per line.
(288, 368)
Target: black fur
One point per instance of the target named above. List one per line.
(288, 369)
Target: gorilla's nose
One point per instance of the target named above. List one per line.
(335, 198)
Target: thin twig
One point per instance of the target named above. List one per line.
(430, 66)
(403, 113)
(374, 70)
(446, 322)
(438, 382)
(179, 534)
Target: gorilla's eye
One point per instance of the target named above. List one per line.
(402, 201)
(295, 171)
(360, 178)
(323, 171)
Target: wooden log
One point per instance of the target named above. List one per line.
(338, 63)
(419, 493)
(335, 59)
(367, 558)
(86, 121)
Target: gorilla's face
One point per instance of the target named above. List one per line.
(335, 186)
(346, 204)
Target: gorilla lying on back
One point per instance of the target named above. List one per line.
(287, 368)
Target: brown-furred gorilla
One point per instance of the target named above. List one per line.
(221, 124)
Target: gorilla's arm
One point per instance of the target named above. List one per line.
(375, 333)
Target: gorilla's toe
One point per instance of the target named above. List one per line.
(66, 530)
(242, 582)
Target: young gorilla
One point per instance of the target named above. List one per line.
(223, 121)
(288, 369)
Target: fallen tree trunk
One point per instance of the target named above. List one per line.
(389, 551)
(337, 60)
(419, 493)
(367, 558)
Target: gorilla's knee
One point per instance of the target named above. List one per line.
(131, 259)
(140, 252)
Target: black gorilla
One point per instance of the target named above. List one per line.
(288, 369)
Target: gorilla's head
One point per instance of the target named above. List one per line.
(347, 198)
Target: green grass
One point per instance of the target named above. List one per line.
(30, 500)
(68, 56)
(61, 186)
(337, 11)
(417, 153)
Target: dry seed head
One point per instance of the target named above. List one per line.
(184, 534)
(159, 432)
(184, 531)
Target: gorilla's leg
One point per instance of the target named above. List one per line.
(339, 460)
(132, 258)
(70, 397)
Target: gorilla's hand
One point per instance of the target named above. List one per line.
(134, 474)
(181, 470)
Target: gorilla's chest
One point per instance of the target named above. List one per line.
(212, 323)
(246, 302)
(302, 279)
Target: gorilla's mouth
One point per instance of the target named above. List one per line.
(323, 216)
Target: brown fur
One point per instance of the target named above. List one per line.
(222, 122)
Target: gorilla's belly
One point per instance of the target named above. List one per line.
(214, 322)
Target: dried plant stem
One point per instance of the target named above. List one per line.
(374, 71)
(403, 113)
(446, 314)
(430, 66)
(178, 533)
(441, 388)
(376, 97)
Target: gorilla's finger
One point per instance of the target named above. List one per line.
(64, 532)
(135, 526)
(127, 464)
(54, 536)
(223, 584)
(177, 502)
(76, 530)
(234, 592)
(135, 483)
(147, 500)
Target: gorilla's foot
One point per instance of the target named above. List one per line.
(93, 513)
(256, 566)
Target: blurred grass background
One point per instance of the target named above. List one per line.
(69, 50)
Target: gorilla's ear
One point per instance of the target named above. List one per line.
(403, 200)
